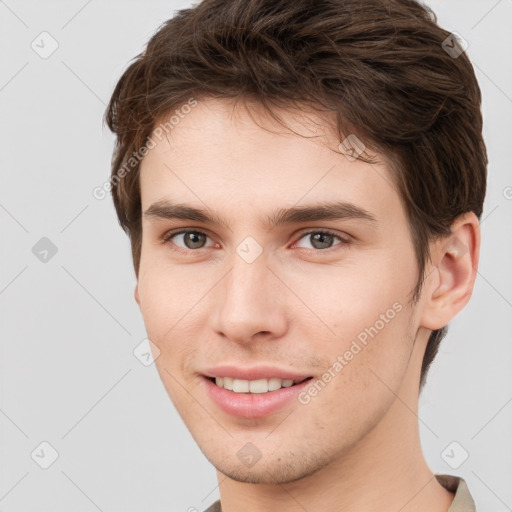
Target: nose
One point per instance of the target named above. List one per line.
(250, 303)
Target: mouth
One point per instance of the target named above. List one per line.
(260, 398)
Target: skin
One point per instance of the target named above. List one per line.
(355, 446)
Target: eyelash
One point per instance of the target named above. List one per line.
(345, 242)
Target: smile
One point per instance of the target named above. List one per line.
(253, 398)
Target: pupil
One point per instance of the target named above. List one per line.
(319, 239)
(195, 240)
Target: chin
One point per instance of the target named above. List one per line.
(279, 469)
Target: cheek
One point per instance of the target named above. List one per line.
(356, 293)
(174, 305)
(370, 335)
(167, 299)
(364, 377)
(167, 293)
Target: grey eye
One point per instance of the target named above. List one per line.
(192, 239)
(320, 240)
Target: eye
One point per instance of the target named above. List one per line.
(320, 240)
(323, 239)
(190, 239)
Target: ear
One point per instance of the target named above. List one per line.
(449, 283)
(136, 294)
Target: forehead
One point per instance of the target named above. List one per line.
(220, 153)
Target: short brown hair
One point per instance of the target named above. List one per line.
(379, 66)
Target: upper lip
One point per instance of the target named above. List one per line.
(254, 373)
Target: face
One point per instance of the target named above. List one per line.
(266, 283)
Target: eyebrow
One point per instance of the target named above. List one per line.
(337, 210)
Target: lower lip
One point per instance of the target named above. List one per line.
(252, 405)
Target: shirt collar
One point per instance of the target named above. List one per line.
(463, 501)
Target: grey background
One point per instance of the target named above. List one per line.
(69, 326)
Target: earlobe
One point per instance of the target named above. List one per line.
(450, 285)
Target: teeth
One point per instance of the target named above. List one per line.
(240, 386)
(253, 386)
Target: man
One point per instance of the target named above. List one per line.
(302, 183)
